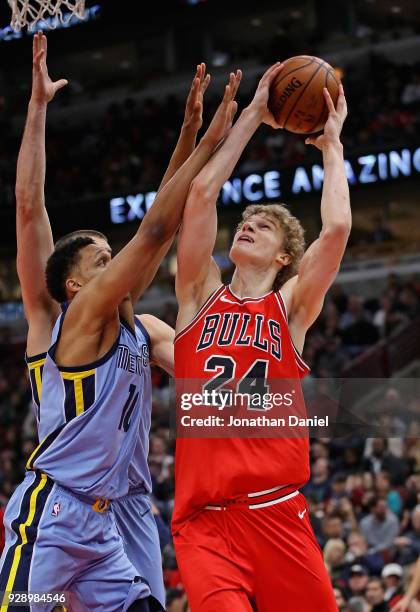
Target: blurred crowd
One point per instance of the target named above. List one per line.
(126, 149)
(349, 324)
(363, 495)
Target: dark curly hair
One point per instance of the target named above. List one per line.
(60, 263)
(84, 232)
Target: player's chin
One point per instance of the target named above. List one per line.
(241, 251)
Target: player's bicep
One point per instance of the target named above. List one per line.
(196, 242)
(317, 271)
(34, 247)
(162, 342)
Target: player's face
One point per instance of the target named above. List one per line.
(93, 260)
(259, 241)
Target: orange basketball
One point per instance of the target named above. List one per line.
(296, 96)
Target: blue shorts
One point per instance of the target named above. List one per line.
(57, 542)
(137, 527)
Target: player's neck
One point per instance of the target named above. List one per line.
(251, 282)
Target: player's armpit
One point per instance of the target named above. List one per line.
(317, 271)
(40, 327)
(161, 342)
(191, 296)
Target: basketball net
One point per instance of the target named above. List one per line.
(29, 12)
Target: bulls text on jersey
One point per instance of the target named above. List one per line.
(241, 329)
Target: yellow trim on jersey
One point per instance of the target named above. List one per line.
(28, 463)
(35, 367)
(36, 364)
(78, 396)
(77, 378)
(38, 382)
(77, 375)
(24, 540)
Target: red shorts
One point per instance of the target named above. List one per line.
(266, 558)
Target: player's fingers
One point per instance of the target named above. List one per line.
(267, 74)
(205, 83)
(230, 86)
(328, 100)
(341, 103)
(233, 110)
(44, 44)
(38, 58)
(60, 84)
(193, 91)
(273, 74)
(237, 82)
(203, 71)
(38, 43)
(226, 95)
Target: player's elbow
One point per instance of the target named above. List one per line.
(201, 191)
(24, 204)
(338, 232)
(156, 233)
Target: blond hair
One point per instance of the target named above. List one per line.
(293, 236)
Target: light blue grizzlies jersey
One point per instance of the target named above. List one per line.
(90, 419)
(138, 472)
(51, 419)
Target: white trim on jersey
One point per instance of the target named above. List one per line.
(204, 308)
(274, 501)
(282, 306)
(267, 491)
(249, 299)
(271, 502)
(298, 357)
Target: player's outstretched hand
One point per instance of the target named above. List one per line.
(193, 117)
(225, 114)
(43, 88)
(260, 100)
(335, 121)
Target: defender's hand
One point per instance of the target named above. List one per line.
(43, 88)
(260, 100)
(193, 118)
(335, 121)
(223, 118)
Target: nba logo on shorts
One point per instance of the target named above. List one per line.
(56, 509)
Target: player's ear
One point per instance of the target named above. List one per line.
(283, 259)
(72, 285)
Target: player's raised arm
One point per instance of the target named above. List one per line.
(96, 302)
(305, 292)
(191, 125)
(161, 341)
(33, 231)
(197, 274)
(193, 120)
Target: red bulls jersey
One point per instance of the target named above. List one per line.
(232, 337)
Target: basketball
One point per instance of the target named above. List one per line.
(296, 96)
